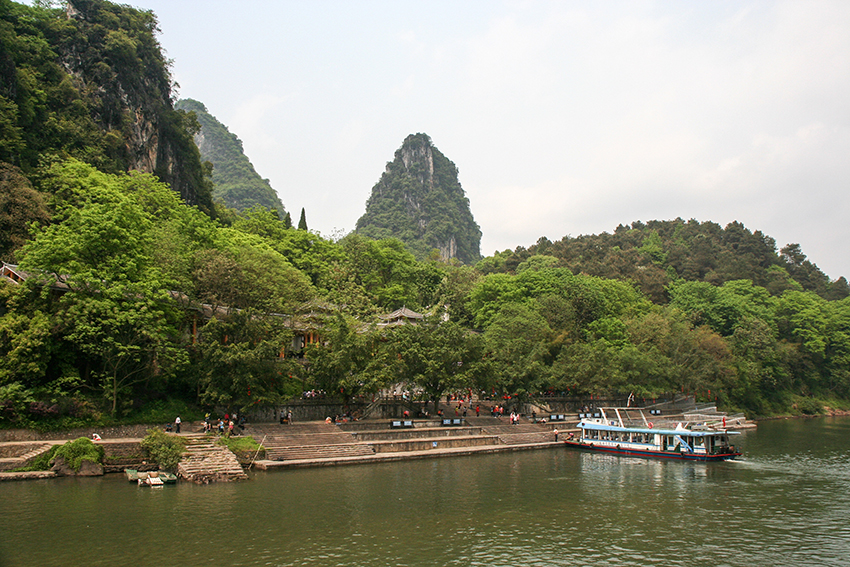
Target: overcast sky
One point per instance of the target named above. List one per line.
(564, 118)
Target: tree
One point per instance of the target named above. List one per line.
(436, 356)
(302, 222)
(115, 307)
(20, 205)
(348, 361)
(240, 364)
(517, 341)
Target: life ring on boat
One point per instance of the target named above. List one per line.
(650, 424)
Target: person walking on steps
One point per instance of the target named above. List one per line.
(177, 424)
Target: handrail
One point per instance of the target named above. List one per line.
(258, 452)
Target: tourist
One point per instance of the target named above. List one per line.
(555, 431)
(95, 437)
(177, 424)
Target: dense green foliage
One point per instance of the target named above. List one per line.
(95, 330)
(419, 200)
(236, 182)
(659, 252)
(79, 450)
(164, 449)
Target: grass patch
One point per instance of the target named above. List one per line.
(241, 444)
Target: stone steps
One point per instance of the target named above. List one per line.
(524, 438)
(334, 438)
(318, 452)
(204, 462)
(9, 463)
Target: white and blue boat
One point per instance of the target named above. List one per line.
(618, 431)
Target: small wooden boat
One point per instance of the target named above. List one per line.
(153, 478)
(609, 433)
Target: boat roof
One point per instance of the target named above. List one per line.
(684, 432)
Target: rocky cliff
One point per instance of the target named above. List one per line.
(90, 81)
(420, 201)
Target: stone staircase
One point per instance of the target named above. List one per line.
(19, 454)
(318, 443)
(309, 440)
(318, 452)
(523, 433)
(205, 462)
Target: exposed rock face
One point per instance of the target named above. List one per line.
(87, 468)
(122, 70)
(419, 200)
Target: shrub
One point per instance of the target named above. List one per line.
(79, 450)
(165, 450)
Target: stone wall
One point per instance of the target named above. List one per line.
(119, 432)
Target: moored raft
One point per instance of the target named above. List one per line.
(154, 478)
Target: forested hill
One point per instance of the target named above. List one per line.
(236, 183)
(420, 201)
(659, 252)
(89, 81)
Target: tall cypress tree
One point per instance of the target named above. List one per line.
(302, 223)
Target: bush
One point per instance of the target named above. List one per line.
(165, 450)
(79, 450)
(164, 411)
(808, 406)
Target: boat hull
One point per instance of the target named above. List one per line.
(650, 454)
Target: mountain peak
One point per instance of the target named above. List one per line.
(420, 201)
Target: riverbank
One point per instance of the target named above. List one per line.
(321, 443)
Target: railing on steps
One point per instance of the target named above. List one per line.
(257, 453)
(367, 412)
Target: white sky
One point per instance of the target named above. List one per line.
(564, 118)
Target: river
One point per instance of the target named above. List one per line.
(785, 502)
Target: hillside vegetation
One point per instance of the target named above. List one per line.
(235, 181)
(90, 82)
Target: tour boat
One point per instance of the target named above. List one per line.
(619, 431)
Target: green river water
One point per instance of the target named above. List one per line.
(785, 502)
